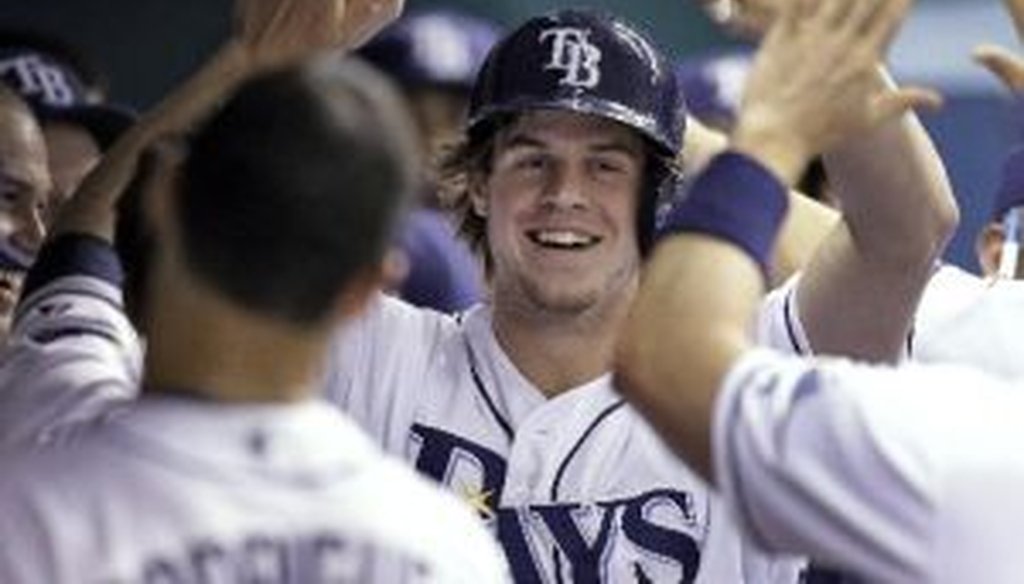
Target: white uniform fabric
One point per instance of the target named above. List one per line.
(181, 490)
(913, 475)
(577, 488)
(966, 319)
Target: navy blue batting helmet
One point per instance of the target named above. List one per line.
(594, 63)
(584, 61)
(441, 48)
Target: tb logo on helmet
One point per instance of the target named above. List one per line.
(573, 54)
(35, 77)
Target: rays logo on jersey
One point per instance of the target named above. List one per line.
(657, 526)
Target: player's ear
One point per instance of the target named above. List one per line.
(988, 246)
(477, 195)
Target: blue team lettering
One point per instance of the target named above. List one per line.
(581, 532)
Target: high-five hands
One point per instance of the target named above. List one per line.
(278, 32)
(814, 81)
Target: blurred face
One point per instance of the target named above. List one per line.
(561, 203)
(24, 190)
(72, 153)
(748, 18)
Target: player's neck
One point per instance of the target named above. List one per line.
(201, 344)
(558, 354)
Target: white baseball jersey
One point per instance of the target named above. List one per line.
(966, 319)
(913, 475)
(577, 488)
(162, 489)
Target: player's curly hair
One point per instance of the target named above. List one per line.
(462, 168)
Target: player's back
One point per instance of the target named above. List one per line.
(180, 490)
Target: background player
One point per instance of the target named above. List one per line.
(76, 124)
(226, 468)
(901, 476)
(24, 191)
(434, 56)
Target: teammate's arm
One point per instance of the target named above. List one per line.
(858, 294)
(807, 225)
(689, 323)
(860, 287)
(72, 354)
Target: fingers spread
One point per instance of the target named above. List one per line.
(881, 27)
(1004, 64)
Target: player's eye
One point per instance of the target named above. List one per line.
(533, 162)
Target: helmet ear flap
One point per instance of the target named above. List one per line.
(663, 184)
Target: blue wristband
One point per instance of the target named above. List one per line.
(74, 254)
(735, 199)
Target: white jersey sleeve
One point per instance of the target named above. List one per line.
(72, 353)
(896, 475)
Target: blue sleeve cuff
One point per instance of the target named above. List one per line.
(74, 254)
(735, 199)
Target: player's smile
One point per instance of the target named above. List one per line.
(564, 239)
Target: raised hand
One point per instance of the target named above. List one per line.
(277, 32)
(814, 81)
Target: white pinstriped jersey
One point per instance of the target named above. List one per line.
(161, 489)
(577, 488)
(913, 475)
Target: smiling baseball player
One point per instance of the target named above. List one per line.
(573, 130)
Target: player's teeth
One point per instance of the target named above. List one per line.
(565, 238)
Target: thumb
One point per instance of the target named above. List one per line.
(1004, 64)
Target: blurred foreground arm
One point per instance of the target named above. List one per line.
(690, 321)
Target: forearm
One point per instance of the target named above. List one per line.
(92, 209)
(893, 186)
(700, 289)
(806, 226)
(859, 293)
(681, 336)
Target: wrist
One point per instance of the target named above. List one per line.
(737, 200)
(781, 151)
